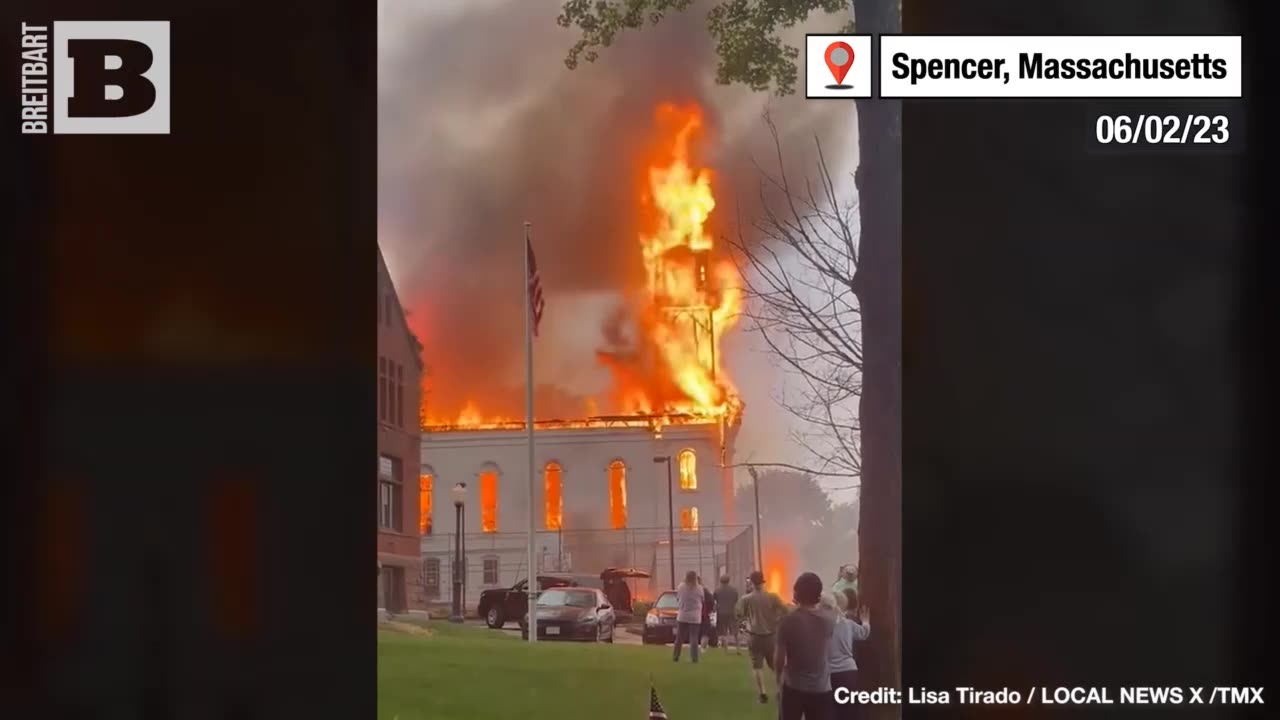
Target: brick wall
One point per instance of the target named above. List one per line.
(398, 437)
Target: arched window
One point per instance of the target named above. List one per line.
(688, 463)
(488, 499)
(431, 577)
(617, 494)
(689, 518)
(552, 500)
(425, 478)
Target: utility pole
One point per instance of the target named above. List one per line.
(755, 488)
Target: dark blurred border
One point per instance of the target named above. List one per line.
(187, 403)
(1086, 418)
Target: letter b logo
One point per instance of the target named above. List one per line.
(111, 78)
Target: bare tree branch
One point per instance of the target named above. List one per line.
(797, 261)
(796, 468)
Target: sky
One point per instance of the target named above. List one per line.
(481, 125)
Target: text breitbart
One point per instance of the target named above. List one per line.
(34, 79)
(1035, 66)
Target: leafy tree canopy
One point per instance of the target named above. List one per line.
(789, 499)
(745, 33)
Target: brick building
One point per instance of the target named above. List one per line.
(397, 486)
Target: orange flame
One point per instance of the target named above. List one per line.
(692, 298)
(778, 568)
(653, 421)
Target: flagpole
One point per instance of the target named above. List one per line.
(532, 586)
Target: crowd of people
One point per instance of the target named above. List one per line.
(809, 645)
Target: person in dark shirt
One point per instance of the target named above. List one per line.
(800, 659)
(619, 594)
(726, 615)
(708, 606)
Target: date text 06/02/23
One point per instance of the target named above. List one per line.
(1190, 129)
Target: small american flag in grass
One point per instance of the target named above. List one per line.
(655, 706)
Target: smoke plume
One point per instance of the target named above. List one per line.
(481, 127)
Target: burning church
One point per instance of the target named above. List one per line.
(640, 477)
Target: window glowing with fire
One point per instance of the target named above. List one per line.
(617, 494)
(552, 500)
(688, 463)
(689, 518)
(489, 500)
(424, 502)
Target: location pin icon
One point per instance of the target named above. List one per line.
(839, 57)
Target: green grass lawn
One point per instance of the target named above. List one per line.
(471, 673)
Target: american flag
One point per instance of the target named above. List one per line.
(655, 708)
(536, 303)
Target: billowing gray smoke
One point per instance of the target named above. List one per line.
(482, 127)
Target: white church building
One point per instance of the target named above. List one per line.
(600, 499)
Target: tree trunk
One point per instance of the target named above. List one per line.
(878, 286)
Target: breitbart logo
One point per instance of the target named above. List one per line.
(95, 78)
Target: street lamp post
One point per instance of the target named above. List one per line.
(459, 494)
(671, 522)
